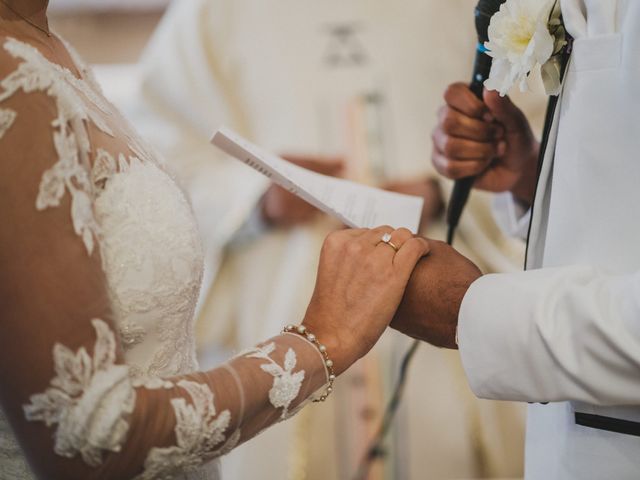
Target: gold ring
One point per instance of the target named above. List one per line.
(386, 239)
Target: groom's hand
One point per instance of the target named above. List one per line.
(431, 303)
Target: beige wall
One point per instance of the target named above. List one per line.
(106, 37)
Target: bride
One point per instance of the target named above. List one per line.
(100, 267)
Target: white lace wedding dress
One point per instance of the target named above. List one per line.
(121, 394)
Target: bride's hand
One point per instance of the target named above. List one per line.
(360, 283)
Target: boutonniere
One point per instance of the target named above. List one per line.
(523, 35)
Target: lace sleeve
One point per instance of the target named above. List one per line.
(66, 386)
(218, 410)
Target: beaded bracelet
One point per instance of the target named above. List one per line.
(302, 330)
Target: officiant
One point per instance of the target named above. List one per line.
(565, 335)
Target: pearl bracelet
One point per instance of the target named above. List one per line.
(328, 363)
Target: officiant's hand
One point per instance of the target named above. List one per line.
(359, 286)
(491, 140)
(431, 302)
(429, 190)
(282, 209)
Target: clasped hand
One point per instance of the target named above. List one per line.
(363, 284)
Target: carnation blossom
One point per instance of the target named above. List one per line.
(519, 40)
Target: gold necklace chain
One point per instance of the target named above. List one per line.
(30, 22)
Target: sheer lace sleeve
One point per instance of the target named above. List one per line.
(66, 383)
(218, 410)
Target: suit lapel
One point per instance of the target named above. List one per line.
(539, 210)
(540, 206)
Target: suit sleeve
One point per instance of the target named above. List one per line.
(565, 334)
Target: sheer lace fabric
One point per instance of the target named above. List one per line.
(120, 391)
(225, 412)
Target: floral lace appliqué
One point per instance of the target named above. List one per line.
(13, 465)
(70, 134)
(200, 433)
(7, 117)
(286, 384)
(88, 399)
(143, 216)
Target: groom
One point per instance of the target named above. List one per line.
(565, 335)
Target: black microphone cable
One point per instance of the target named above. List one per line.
(459, 196)
(376, 448)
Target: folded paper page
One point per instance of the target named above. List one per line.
(356, 205)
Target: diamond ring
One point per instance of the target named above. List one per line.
(386, 238)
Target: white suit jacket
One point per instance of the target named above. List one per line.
(568, 330)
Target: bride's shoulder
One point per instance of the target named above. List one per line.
(24, 103)
(23, 69)
(9, 60)
(15, 51)
(29, 147)
(29, 86)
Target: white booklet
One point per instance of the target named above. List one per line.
(356, 205)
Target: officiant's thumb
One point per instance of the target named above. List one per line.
(503, 111)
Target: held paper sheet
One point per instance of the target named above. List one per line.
(356, 205)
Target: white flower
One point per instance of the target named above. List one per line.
(519, 40)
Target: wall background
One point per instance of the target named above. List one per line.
(106, 31)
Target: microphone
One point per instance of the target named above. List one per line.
(481, 69)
